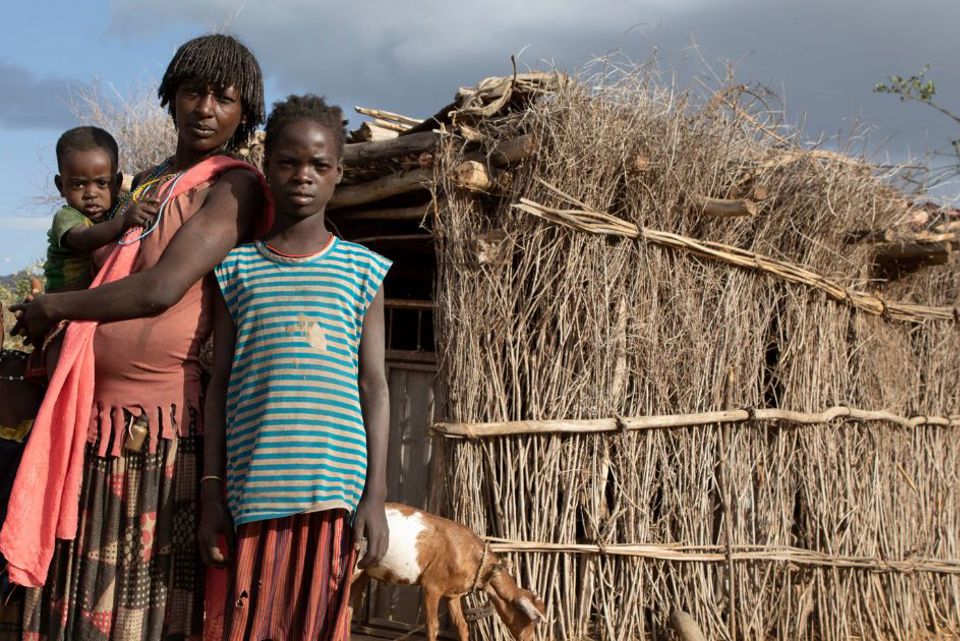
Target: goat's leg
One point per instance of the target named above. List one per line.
(358, 585)
(431, 609)
(456, 617)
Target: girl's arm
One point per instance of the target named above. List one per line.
(215, 519)
(232, 205)
(370, 522)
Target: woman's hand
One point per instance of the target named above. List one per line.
(215, 522)
(370, 528)
(36, 316)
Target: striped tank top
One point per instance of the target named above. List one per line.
(295, 437)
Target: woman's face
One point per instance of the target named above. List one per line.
(206, 116)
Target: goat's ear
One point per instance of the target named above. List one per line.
(525, 605)
(36, 285)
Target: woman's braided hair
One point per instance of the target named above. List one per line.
(220, 61)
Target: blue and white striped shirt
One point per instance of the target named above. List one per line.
(295, 437)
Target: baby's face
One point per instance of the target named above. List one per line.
(88, 181)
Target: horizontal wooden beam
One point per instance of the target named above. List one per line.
(380, 114)
(393, 238)
(410, 356)
(725, 207)
(417, 212)
(721, 554)
(390, 185)
(514, 428)
(361, 152)
(409, 303)
(507, 151)
(934, 252)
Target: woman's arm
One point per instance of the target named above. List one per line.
(215, 519)
(234, 202)
(371, 520)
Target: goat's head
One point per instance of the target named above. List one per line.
(519, 609)
(21, 398)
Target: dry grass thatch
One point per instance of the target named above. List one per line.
(767, 528)
(144, 131)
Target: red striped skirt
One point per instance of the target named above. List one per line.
(291, 581)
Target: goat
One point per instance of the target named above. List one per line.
(448, 561)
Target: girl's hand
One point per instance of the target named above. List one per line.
(370, 528)
(215, 522)
(36, 316)
(140, 214)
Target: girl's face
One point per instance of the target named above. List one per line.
(206, 116)
(303, 168)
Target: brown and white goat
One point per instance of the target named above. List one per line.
(447, 560)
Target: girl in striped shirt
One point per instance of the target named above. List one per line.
(297, 407)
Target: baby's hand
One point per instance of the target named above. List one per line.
(140, 214)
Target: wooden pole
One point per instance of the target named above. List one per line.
(473, 175)
(361, 152)
(726, 506)
(409, 303)
(393, 238)
(594, 222)
(507, 151)
(934, 252)
(668, 421)
(390, 125)
(391, 185)
(417, 212)
(717, 554)
(369, 132)
(387, 115)
(468, 174)
(724, 207)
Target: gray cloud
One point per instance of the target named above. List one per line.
(29, 101)
(824, 55)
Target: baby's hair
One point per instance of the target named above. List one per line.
(220, 61)
(308, 107)
(86, 139)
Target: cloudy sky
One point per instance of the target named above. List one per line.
(825, 56)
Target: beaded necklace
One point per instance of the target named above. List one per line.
(160, 177)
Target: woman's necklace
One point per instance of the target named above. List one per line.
(160, 177)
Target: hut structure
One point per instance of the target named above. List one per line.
(668, 359)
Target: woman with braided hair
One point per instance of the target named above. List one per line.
(118, 485)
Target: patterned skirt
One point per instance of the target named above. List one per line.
(134, 571)
(291, 581)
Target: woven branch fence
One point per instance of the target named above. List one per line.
(730, 490)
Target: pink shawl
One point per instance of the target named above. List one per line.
(45, 498)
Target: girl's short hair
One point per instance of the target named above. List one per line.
(307, 107)
(220, 61)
